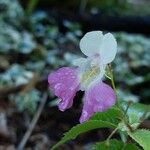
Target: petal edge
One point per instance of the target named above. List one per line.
(108, 48)
(64, 83)
(90, 43)
(98, 98)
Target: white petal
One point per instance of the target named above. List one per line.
(79, 61)
(82, 63)
(108, 48)
(90, 43)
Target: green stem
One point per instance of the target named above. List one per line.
(113, 83)
(112, 133)
(126, 110)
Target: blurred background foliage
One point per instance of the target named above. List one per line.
(33, 44)
(109, 7)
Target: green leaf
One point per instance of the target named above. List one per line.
(82, 128)
(114, 145)
(133, 118)
(142, 137)
(136, 111)
(113, 115)
(130, 147)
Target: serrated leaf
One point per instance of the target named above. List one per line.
(142, 137)
(114, 145)
(136, 111)
(82, 128)
(113, 115)
(133, 118)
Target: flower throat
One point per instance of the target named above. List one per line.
(89, 76)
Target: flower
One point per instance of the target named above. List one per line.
(87, 76)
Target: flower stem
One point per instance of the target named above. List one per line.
(112, 133)
(113, 83)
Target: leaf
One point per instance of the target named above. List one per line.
(136, 111)
(133, 118)
(114, 145)
(82, 128)
(142, 137)
(113, 115)
(130, 147)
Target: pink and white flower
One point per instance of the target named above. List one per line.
(87, 76)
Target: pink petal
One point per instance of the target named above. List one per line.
(64, 83)
(97, 98)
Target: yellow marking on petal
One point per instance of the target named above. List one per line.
(90, 75)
